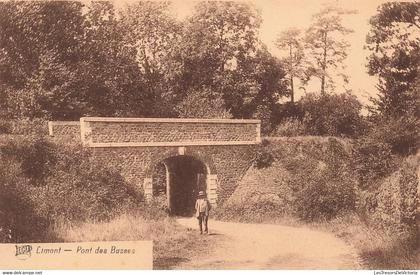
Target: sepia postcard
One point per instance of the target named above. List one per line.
(210, 135)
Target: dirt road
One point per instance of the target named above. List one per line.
(264, 246)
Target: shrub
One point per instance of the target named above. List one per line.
(372, 161)
(263, 158)
(290, 127)
(396, 206)
(19, 220)
(5, 126)
(332, 115)
(62, 183)
(400, 134)
(309, 178)
(324, 196)
(92, 190)
(288, 110)
(37, 127)
(36, 156)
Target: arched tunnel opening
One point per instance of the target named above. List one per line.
(178, 180)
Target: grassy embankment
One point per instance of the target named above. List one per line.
(311, 181)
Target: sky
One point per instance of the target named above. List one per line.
(279, 15)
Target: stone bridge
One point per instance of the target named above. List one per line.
(167, 157)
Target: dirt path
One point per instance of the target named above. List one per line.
(265, 246)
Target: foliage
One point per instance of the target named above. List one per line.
(309, 178)
(394, 45)
(327, 49)
(400, 133)
(36, 158)
(290, 127)
(263, 160)
(153, 35)
(392, 205)
(59, 183)
(31, 127)
(63, 60)
(334, 115)
(377, 152)
(324, 189)
(19, 221)
(40, 44)
(324, 196)
(202, 104)
(373, 161)
(221, 53)
(290, 41)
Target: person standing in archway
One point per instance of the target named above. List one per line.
(202, 208)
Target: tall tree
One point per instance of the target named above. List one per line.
(219, 38)
(326, 46)
(34, 38)
(394, 44)
(110, 76)
(222, 55)
(291, 42)
(153, 33)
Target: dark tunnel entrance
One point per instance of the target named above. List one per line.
(179, 179)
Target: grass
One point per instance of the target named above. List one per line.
(377, 249)
(172, 243)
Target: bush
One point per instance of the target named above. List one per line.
(290, 127)
(36, 157)
(372, 161)
(309, 178)
(263, 158)
(19, 221)
(5, 126)
(400, 134)
(63, 185)
(37, 127)
(324, 196)
(396, 204)
(332, 115)
(93, 190)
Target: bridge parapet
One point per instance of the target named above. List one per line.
(139, 132)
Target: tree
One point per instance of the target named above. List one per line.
(326, 46)
(36, 37)
(290, 41)
(221, 54)
(394, 45)
(154, 34)
(109, 75)
(219, 41)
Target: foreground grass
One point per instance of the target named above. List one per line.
(377, 249)
(172, 243)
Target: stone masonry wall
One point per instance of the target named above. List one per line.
(136, 163)
(136, 145)
(144, 130)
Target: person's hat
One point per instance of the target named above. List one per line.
(201, 194)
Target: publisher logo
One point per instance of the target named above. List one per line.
(23, 251)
